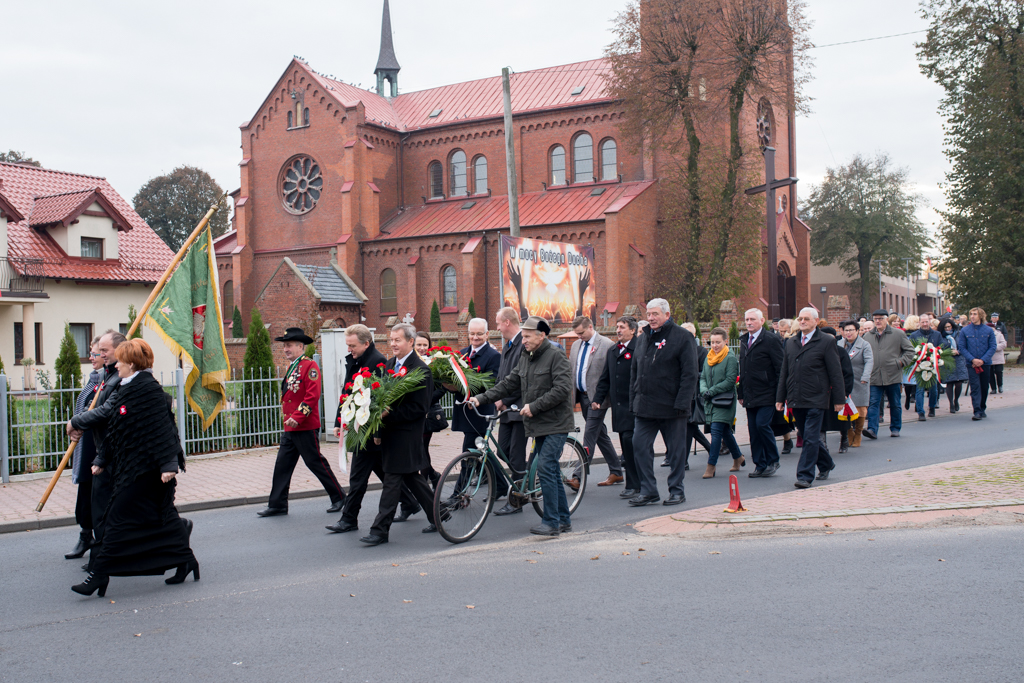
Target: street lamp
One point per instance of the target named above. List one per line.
(880, 262)
(824, 310)
(907, 263)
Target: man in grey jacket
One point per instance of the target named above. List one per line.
(543, 378)
(891, 351)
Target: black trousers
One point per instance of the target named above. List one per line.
(365, 463)
(815, 453)
(693, 433)
(501, 483)
(996, 382)
(102, 486)
(628, 464)
(512, 441)
(392, 494)
(304, 444)
(83, 503)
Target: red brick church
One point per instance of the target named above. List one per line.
(360, 205)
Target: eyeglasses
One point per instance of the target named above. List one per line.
(94, 355)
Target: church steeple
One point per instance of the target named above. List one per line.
(387, 64)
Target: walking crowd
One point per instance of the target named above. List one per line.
(799, 376)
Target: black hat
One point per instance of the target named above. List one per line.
(880, 311)
(295, 334)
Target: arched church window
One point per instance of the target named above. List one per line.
(449, 293)
(558, 165)
(436, 178)
(289, 119)
(480, 175)
(609, 163)
(301, 184)
(305, 116)
(228, 300)
(457, 182)
(583, 159)
(388, 292)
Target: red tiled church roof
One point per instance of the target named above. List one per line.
(44, 197)
(541, 89)
(551, 207)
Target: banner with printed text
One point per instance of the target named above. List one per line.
(554, 280)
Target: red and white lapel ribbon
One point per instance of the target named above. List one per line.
(459, 375)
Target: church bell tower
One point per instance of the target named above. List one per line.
(387, 64)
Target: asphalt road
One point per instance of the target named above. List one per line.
(282, 600)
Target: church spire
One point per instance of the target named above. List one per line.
(387, 64)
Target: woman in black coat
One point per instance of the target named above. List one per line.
(143, 534)
(834, 424)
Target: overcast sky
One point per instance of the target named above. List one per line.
(130, 90)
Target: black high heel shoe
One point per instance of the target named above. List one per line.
(191, 567)
(92, 583)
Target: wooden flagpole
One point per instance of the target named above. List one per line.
(135, 325)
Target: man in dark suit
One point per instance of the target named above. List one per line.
(401, 440)
(482, 356)
(361, 354)
(811, 381)
(587, 358)
(614, 387)
(511, 433)
(760, 363)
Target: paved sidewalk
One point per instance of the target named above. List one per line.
(953, 489)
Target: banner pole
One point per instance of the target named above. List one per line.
(135, 324)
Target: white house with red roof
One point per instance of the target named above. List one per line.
(71, 250)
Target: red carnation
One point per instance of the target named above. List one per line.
(391, 372)
(380, 365)
(375, 385)
(349, 385)
(477, 368)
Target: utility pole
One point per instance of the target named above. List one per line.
(510, 157)
(907, 263)
(880, 262)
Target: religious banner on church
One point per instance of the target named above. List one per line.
(554, 280)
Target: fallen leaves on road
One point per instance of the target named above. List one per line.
(138, 635)
(941, 560)
(532, 561)
(827, 524)
(871, 539)
(394, 565)
(406, 601)
(351, 595)
(829, 532)
(111, 602)
(596, 557)
(538, 552)
(714, 552)
(423, 573)
(624, 552)
(344, 575)
(470, 607)
(641, 550)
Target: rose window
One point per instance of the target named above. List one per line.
(301, 184)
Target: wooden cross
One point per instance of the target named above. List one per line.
(769, 187)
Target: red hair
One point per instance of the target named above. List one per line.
(137, 352)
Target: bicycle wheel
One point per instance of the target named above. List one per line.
(464, 497)
(571, 462)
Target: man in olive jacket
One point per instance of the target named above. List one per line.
(663, 382)
(892, 352)
(543, 378)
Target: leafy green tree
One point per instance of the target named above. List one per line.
(435, 317)
(68, 368)
(15, 157)
(472, 309)
(236, 324)
(132, 315)
(861, 212)
(173, 204)
(260, 397)
(734, 331)
(975, 50)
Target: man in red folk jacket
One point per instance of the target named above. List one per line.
(300, 407)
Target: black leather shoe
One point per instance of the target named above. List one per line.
(870, 434)
(544, 530)
(336, 506)
(787, 446)
(921, 417)
(757, 473)
(429, 529)
(931, 412)
(824, 475)
(983, 415)
(190, 567)
(341, 526)
(92, 583)
(675, 499)
(976, 417)
(770, 470)
(271, 512)
(406, 514)
(666, 463)
(894, 433)
(629, 493)
(509, 509)
(373, 539)
(84, 543)
(801, 484)
(642, 500)
(564, 528)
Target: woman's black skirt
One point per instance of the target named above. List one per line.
(143, 534)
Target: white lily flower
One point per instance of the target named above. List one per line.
(362, 397)
(348, 411)
(363, 415)
(926, 375)
(357, 383)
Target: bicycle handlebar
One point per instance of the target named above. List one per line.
(492, 417)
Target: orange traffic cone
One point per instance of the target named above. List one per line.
(734, 495)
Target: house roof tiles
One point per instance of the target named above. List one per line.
(142, 255)
(331, 287)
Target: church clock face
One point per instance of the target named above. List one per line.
(301, 184)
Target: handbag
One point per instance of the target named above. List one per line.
(724, 400)
(436, 421)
